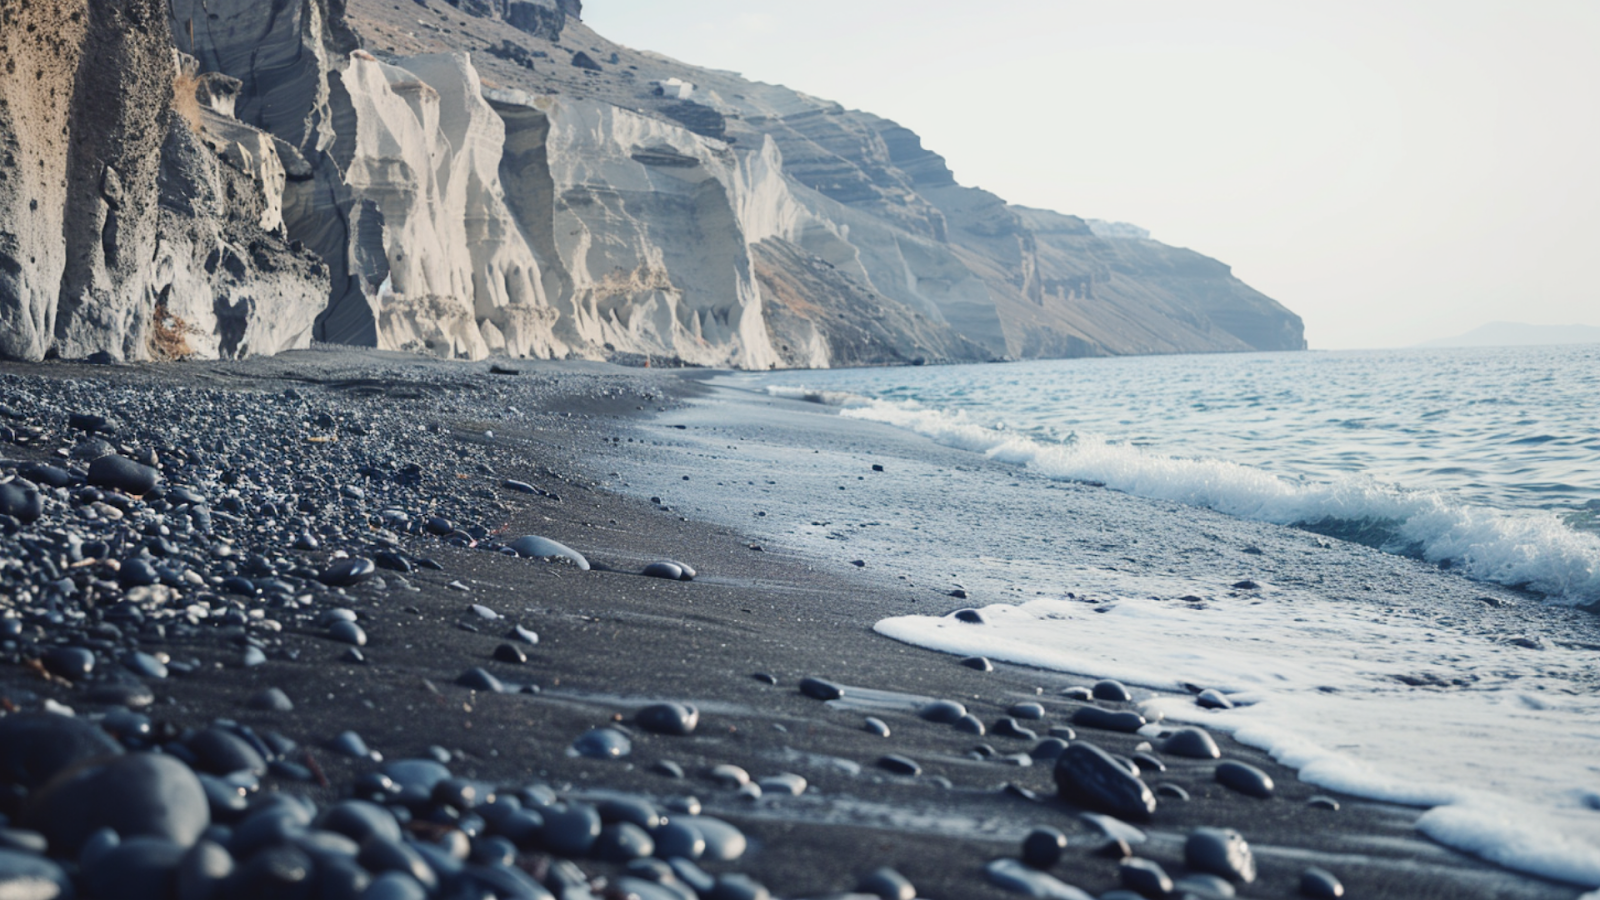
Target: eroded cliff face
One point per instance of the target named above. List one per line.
(479, 177)
(122, 231)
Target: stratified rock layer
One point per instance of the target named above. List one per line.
(228, 177)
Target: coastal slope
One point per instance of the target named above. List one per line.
(492, 177)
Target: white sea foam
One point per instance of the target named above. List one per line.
(1501, 746)
(1525, 549)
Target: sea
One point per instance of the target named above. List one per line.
(1483, 462)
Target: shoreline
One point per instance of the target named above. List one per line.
(611, 641)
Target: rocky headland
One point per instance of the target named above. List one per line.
(490, 177)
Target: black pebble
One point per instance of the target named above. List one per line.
(1245, 778)
(123, 474)
(70, 662)
(1191, 743)
(978, 663)
(1168, 789)
(970, 616)
(668, 718)
(942, 712)
(899, 765)
(818, 689)
(271, 700)
(1145, 877)
(1111, 690)
(1095, 717)
(1087, 775)
(1043, 846)
(887, 884)
(508, 653)
(21, 503)
(1320, 884)
(623, 841)
(348, 572)
(1220, 851)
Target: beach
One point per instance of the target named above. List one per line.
(807, 530)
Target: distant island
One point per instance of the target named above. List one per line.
(1519, 334)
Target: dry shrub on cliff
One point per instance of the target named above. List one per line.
(169, 334)
(185, 101)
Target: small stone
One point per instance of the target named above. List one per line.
(969, 616)
(1144, 877)
(271, 700)
(535, 547)
(479, 679)
(73, 663)
(899, 765)
(668, 718)
(677, 839)
(1211, 698)
(1191, 743)
(785, 783)
(359, 820)
(122, 474)
(887, 884)
(1006, 726)
(1168, 789)
(1111, 690)
(1106, 720)
(138, 868)
(525, 635)
(145, 665)
(668, 768)
(941, 712)
(1087, 775)
(221, 752)
(348, 743)
(1220, 851)
(724, 843)
(348, 633)
(602, 743)
(1320, 884)
(978, 664)
(765, 678)
(666, 570)
(21, 503)
(1043, 846)
(1048, 750)
(875, 725)
(1322, 802)
(1078, 692)
(203, 870)
(1246, 585)
(818, 689)
(970, 724)
(1032, 712)
(623, 841)
(729, 776)
(509, 653)
(348, 572)
(1245, 778)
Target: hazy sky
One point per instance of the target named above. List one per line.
(1393, 171)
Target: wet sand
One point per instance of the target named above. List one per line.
(612, 641)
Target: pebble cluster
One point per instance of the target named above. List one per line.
(147, 531)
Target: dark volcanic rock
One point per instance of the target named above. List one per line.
(1145, 877)
(818, 689)
(139, 868)
(1043, 846)
(1087, 775)
(34, 747)
(603, 743)
(899, 765)
(1111, 690)
(1320, 884)
(942, 712)
(668, 718)
(887, 884)
(1220, 851)
(348, 572)
(1245, 778)
(20, 502)
(1191, 743)
(1105, 719)
(123, 474)
(139, 794)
